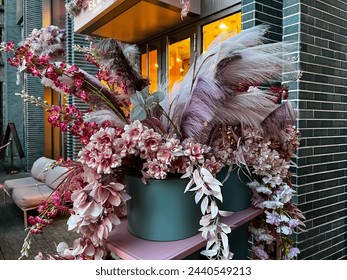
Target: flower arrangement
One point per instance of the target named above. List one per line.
(217, 117)
(74, 7)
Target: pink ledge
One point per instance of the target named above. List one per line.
(129, 247)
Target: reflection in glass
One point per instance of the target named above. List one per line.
(179, 61)
(150, 69)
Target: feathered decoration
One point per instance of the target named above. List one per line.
(207, 62)
(116, 58)
(275, 123)
(211, 107)
(214, 91)
(101, 116)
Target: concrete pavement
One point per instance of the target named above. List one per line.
(12, 232)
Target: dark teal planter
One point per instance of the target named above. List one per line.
(160, 210)
(236, 197)
(236, 194)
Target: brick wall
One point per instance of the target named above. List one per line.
(318, 29)
(12, 105)
(322, 102)
(32, 18)
(268, 12)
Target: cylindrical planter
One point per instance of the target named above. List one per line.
(236, 197)
(160, 210)
(236, 194)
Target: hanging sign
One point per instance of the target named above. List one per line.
(96, 5)
(95, 10)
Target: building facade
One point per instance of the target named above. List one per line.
(316, 29)
(2, 69)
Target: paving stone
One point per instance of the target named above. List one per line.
(12, 232)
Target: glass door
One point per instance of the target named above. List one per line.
(166, 60)
(180, 55)
(178, 61)
(151, 63)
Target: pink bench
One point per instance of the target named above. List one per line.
(27, 193)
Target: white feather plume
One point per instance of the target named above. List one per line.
(209, 95)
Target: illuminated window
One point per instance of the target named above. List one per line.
(53, 13)
(228, 25)
(178, 60)
(150, 70)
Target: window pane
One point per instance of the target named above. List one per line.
(58, 10)
(150, 70)
(230, 24)
(179, 61)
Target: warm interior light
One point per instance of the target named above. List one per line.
(222, 25)
(178, 60)
(156, 65)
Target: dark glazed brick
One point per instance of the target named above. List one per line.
(274, 12)
(290, 2)
(291, 20)
(325, 105)
(321, 42)
(248, 16)
(268, 18)
(320, 132)
(246, 25)
(291, 37)
(307, 19)
(321, 24)
(326, 53)
(248, 8)
(291, 29)
(245, 2)
(321, 95)
(306, 38)
(291, 10)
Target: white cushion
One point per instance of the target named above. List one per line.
(26, 182)
(55, 176)
(31, 197)
(39, 168)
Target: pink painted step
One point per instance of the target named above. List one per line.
(129, 247)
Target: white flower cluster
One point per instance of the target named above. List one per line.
(46, 40)
(208, 188)
(270, 164)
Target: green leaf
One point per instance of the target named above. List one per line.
(145, 92)
(150, 100)
(138, 113)
(154, 98)
(159, 96)
(137, 99)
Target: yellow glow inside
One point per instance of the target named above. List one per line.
(179, 61)
(152, 69)
(222, 25)
(230, 25)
